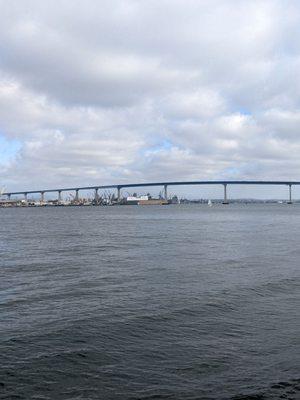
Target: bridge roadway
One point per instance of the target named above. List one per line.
(165, 185)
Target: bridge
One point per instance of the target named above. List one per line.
(165, 185)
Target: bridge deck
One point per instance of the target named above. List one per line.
(149, 184)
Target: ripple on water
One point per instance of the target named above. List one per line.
(150, 303)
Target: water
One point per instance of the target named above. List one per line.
(174, 302)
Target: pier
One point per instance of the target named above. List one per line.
(164, 185)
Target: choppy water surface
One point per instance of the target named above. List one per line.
(175, 302)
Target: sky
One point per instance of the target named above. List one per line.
(103, 92)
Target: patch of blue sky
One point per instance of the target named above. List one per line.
(9, 148)
(244, 111)
(244, 169)
(231, 172)
(158, 147)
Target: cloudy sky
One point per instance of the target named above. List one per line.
(99, 92)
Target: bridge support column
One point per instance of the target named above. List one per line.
(8, 196)
(25, 197)
(119, 194)
(225, 201)
(42, 197)
(96, 196)
(290, 195)
(59, 197)
(166, 192)
(77, 195)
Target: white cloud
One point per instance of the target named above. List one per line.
(141, 90)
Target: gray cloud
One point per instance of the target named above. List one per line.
(99, 92)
